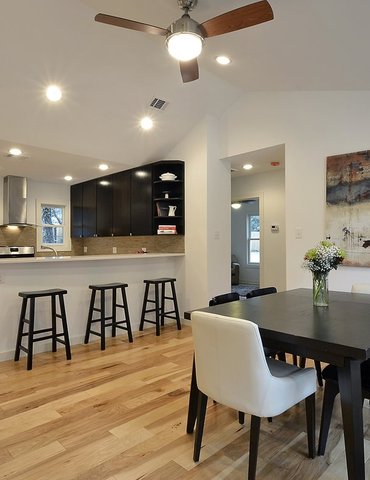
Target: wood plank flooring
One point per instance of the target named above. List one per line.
(121, 415)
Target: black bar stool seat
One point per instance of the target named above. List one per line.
(45, 333)
(104, 320)
(159, 302)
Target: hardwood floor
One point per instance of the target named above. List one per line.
(121, 414)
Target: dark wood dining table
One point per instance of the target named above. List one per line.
(338, 334)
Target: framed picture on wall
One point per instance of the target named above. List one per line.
(348, 205)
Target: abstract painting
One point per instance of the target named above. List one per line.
(348, 205)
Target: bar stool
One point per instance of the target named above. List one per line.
(122, 324)
(159, 303)
(62, 337)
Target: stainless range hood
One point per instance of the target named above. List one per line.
(15, 202)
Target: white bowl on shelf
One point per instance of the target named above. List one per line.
(168, 176)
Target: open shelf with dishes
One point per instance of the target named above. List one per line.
(168, 197)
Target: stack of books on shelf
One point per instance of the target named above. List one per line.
(166, 230)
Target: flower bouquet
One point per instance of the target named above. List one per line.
(320, 260)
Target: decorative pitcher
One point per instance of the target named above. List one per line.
(171, 210)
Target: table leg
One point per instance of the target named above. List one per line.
(349, 378)
(193, 401)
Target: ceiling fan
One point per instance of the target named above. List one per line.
(185, 36)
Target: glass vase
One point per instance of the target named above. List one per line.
(320, 289)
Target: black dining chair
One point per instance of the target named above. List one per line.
(302, 361)
(330, 375)
(259, 292)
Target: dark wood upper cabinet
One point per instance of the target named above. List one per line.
(168, 196)
(141, 201)
(89, 209)
(76, 210)
(104, 206)
(121, 189)
(132, 202)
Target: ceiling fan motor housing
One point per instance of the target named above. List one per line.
(185, 24)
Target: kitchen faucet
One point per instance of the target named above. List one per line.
(45, 247)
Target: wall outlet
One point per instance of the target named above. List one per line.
(85, 249)
(114, 249)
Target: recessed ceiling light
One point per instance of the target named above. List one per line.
(103, 166)
(247, 166)
(68, 178)
(146, 123)
(223, 60)
(15, 152)
(53, 93)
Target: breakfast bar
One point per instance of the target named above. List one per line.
(75, 274)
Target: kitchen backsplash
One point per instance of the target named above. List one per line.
(24, 237)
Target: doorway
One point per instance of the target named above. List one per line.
(260, 175)
(246, 244)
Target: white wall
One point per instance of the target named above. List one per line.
(207, 214)
(312, 125)
(248, 274)
(45, 192)
(270, 189)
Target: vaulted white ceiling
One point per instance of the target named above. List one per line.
(109, 75)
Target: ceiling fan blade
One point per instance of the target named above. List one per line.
(189, 70)
(131, 24)
(239, 18)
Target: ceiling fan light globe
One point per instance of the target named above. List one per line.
(184, 46)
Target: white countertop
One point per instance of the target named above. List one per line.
(88, 258)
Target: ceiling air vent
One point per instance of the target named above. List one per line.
(158, 104)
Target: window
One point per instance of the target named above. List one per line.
(253, 236)
(53, 224)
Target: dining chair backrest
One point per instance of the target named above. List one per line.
(232, 369)
(361, 288)
(224, 298)
(229, 358)
(258, 292)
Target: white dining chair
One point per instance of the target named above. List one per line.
(231, 368)
(361, 288)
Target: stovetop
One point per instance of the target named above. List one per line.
(9, 252)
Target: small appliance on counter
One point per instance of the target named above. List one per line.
(17, 252)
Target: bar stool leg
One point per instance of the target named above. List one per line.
(102, 319)
(91, 311)
(173, 289)
(20, 330)
(144, 306)
(127, 316)
(157, 314)
(114, 311)
(65, 326)
(53, 324)
(30, 334)
(162, 307)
